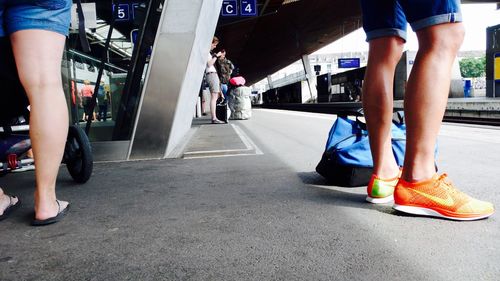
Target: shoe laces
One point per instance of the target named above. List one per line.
(445, 182)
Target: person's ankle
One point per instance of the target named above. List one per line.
(388, 173)
(418, 175)
(46, 209)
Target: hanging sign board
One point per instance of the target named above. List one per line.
(229, 8)
(248, 8)
(234, 8)
(349, 63)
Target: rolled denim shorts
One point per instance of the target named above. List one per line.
(382, 18)
(51, 15)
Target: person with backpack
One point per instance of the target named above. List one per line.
(224, 69)
(103, 99)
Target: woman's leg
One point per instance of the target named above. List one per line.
(40, 73)
(213, 104)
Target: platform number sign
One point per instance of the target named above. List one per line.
(123, 13)
(229, 8)
(248, 8)
(233, 8)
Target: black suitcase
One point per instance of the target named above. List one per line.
(221, 111)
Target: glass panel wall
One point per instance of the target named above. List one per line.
(81, 69)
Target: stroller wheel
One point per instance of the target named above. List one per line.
(78, 155)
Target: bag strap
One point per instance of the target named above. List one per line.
(361, 123)
(399, 117)
(351, 112)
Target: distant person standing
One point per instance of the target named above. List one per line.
(213, 80)
(103, 99)
(224, 69)
(418, 189)
(86, 96)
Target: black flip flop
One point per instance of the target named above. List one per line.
(11, 208)
(58, 217)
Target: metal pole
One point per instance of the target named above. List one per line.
(101, 69)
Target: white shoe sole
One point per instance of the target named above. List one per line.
(384, 200)
(431, 213)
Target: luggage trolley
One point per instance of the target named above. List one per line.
(14, 127)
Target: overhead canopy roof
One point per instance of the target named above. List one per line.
(285, 30)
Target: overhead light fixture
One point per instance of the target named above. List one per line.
(286, 2)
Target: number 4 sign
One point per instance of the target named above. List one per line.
(248, 8)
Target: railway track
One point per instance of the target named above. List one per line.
(472, 120)
(335, 108)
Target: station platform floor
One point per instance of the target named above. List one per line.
(244, 203)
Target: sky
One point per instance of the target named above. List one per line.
(476, 18)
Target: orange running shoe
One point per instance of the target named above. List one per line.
(380, 190)
(438, 197)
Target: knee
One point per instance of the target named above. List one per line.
(386, 50)
(453, 40)
(41, 84)
(443, 38)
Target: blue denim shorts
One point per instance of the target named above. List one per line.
(51, 15)
(383, 18)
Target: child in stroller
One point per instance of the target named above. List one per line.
(39, 70)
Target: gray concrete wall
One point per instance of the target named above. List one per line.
(174, 77)
(456, 84)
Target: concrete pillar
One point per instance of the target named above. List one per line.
(174, 77)
(270, 81)
(310, 76)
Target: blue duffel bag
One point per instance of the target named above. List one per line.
(347, 160)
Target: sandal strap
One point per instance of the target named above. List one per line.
(10, 199)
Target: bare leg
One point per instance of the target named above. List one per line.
(383, 57)
(39, 69)
(426, 96)
(213, 103)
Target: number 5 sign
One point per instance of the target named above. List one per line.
(123, 13)
(248, 8)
